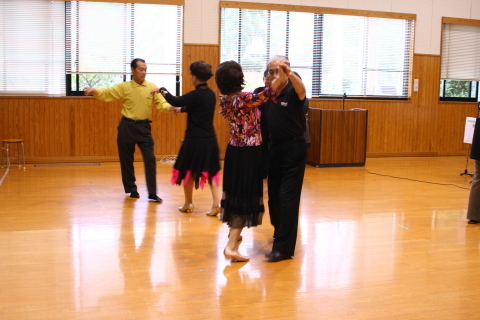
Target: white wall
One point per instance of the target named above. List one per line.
(201, 23)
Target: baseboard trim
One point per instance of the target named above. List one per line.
(400, 154)
(49, 160)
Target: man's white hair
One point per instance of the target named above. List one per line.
(276, 58)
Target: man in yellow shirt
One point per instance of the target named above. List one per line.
(134, 128)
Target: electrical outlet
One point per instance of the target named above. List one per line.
(415, 84)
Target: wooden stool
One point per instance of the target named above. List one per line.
(20, 153)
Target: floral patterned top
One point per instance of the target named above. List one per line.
(243, 116)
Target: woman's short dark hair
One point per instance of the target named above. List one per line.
(201, 69)
(229, 77)
(133, 64)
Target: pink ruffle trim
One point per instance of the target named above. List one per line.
(203, 179)
(173, 179)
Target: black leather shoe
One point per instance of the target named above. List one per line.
(276, 256)
(134, 195)
(155, 198)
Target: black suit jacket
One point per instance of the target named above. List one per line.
(475, 151)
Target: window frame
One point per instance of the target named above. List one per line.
(464, 22)
(459, 99)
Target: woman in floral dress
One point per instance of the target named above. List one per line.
(242, 198)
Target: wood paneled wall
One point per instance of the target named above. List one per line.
(77, 129)
(82, 129)
(421, 126)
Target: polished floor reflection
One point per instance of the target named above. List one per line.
(370, 246)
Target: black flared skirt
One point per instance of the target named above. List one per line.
(199, 159)
(242, 198)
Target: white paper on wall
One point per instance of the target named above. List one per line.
(469, 128)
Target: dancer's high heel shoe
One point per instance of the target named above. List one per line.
(214, 212)
(235, 257)
(186, 208)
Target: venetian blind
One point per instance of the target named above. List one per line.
(32, 47)
(365, 56)
(103, 38)
(334, 54)
(460, 52)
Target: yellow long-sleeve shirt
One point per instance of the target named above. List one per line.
(136, 98)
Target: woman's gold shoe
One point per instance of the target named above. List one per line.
(214, 212)
(186, 208)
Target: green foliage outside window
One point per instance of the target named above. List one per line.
(96, 80)
(455, 88)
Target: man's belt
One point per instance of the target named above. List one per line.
(136, 121)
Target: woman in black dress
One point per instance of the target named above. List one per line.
(198, 160)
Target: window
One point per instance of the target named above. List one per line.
(455, 90)
(58, 47)
(32, 47)
(460, 71)
(103, 38)
(362, 57)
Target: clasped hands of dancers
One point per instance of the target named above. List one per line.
(239, 206)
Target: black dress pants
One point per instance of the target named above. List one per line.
(131, 134)
(285, 179)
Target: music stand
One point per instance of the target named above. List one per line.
(466, 164)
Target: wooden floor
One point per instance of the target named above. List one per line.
(72, 246)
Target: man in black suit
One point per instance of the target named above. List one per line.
(287, 157)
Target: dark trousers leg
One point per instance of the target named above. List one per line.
(126, 149)
(146, 145)
(274, 182)
(265, 146)
(287, 175)
(473, 212)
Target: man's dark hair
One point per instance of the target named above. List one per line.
(202, 70)
(229, 77)
(133, 64)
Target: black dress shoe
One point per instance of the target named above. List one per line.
(155, 198)
(134, 195)
(275, 256)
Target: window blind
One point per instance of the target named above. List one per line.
(460, 52)
(103, 38)
(334, 54)
(32, 47)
